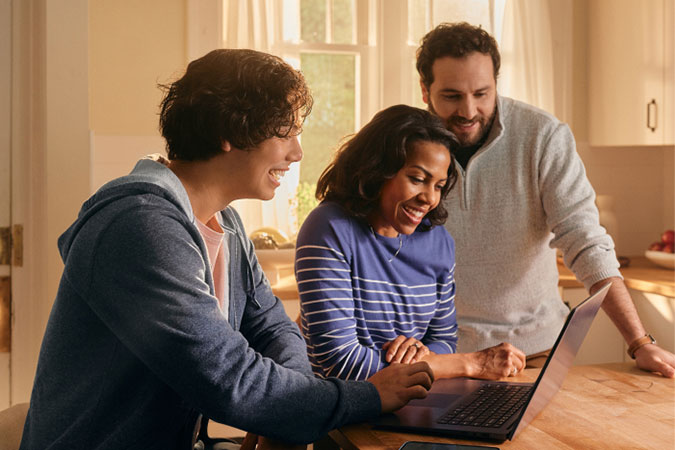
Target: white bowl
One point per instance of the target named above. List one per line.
(662, 259)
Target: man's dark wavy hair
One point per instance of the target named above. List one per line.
(240, 96)
(455, 40)
(362, 165)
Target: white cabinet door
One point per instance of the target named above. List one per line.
(669, 73)
(657, 314)
(631, 72)
(603, 343)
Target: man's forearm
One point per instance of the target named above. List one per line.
(621, 310)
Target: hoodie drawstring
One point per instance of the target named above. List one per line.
(250, 288)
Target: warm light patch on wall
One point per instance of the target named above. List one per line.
(665, 307)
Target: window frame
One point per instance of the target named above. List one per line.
(382, 48)
(364, 50)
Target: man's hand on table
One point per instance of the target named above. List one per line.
(653, 358)
(398, 383)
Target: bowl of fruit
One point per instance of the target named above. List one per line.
(661, 252)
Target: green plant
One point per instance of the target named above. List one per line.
(305, 201)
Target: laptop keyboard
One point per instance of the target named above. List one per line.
(489, 406)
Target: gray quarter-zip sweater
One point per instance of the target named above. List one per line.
(136, 345)
(523, 194)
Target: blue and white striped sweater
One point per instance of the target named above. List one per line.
(353, 300)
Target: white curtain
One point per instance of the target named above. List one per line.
(250, 24)
(526, 48)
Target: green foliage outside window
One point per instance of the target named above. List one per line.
(304, 200)
(331, 79)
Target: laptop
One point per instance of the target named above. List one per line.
(496, 410)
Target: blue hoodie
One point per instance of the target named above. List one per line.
(136, 346)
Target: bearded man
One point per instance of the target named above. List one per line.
(521, 193)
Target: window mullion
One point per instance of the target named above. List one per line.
(329, 22)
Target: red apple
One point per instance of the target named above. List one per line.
(668, 248)
(656, 246)
(668, 237)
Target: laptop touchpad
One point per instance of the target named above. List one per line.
(435, 401)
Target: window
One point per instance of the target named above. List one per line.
(358, 57)
(328, 41)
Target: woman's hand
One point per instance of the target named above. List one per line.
(500, 361)
(405, 350)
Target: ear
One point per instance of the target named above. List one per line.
(425, 92)
(226, 146)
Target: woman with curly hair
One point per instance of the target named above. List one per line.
(374, 268)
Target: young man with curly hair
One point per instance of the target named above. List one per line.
(163, 313)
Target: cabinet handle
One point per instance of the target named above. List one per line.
(651, 105)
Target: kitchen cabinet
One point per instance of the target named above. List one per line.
(656, 312)
(603, 343)
(652, 289)
(631, 72)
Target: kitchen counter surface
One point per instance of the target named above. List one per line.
(641, 275)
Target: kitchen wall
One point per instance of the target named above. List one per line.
(640, 179)
(133, 46)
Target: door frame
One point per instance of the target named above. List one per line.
(50, 151)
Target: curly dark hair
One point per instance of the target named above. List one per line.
(359, 169)
(456, 40)
(240, 96)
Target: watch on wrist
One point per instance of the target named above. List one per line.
(640, 342)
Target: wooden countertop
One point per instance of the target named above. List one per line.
(641, 275)
(608, 406)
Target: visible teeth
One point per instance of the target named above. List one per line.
(277, 174)
(414, 212)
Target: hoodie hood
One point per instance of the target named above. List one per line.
(149, 176)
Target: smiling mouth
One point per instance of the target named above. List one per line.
(277, 174)
(465, 125)
(414, 213)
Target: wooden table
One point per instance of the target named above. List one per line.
(605, 406)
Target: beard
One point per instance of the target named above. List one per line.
(474, 141)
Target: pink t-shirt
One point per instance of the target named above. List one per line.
(216, 247)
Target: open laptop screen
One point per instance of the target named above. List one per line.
(563, 352)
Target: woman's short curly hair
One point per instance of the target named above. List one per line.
(355, 177)
(240, 96)
(456, 40)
